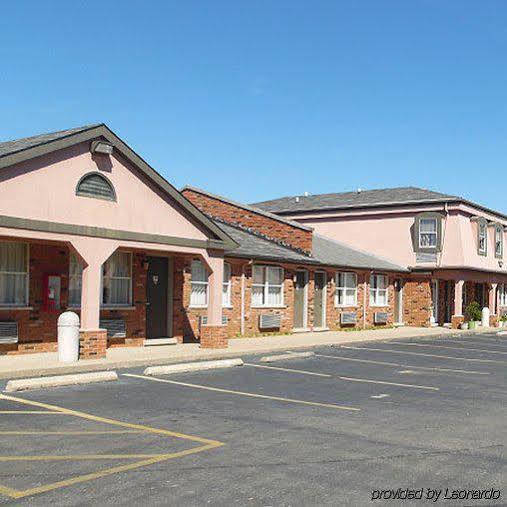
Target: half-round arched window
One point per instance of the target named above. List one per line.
(96, 185)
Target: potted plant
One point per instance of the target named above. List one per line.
(503, 321)
(473, 314)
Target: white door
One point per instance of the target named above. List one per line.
(434, 302)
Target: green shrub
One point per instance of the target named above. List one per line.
(473, 311)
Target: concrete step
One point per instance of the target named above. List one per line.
(160, 341)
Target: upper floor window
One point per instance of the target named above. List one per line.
(96, 185)
(267, 286)
(499, 241)
(226, 294)
(117, 280)
(428, 232)
(378, 290)
(198, 284)
(346, 289)
(482, 245)
(13, 273)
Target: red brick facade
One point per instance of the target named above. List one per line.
(417, 302)
(271, 227)
(92, 344)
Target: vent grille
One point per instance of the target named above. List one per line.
(425, 257)
(203, 320)
(348, 318)
(380, 317)
(270, 321)
(115, 328)
(8, 332)
(95, 185)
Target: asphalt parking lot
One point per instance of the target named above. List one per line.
(324, 430)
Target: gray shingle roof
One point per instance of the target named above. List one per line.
(9, 147)
(248, 208)
(326, 252)
(364, 198)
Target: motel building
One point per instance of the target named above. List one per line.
(87, 225)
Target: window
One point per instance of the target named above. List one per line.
(499, 241)
(13, 274)
(502, 294)
(378, 290)
(117, 280)
(96, 185)
(226, 294)
(75, 280)
(483, 237)
(267, 286)
(346, 289)
(428, 233)
(199, 285)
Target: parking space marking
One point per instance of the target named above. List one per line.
(397, 365)
(380, 396)
(91, 432)
(394, 351)
(145, 459)
(242, 393)
(28, 412)
(348, 379)
(448, 347)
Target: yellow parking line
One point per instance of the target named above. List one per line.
(28, 412)
(50, 457)
(449, 347)
(394, 351)
(242, 393)
(453, 370)
(348, 379)
(91, 432)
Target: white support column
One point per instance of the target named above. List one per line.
(215, 281)
(492, 298)
(458, 298)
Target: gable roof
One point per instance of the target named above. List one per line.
(16, 151)
(246, 207)
(326, 252)
(357, 199)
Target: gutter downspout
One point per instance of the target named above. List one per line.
(242, 305)
(446, 211)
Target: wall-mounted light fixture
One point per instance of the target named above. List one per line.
(102, 147)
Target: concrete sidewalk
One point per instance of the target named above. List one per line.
(31, 365)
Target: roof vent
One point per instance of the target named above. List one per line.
(359, 190)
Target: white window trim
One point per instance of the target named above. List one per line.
(26, 305)
(105, 306)
(377, 291)
(266, 287)
(483, 251)
(433, 233)
(228, 302)
(499, 233)
(198, 282)
(337, 288)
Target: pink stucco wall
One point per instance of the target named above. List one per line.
(44, 189)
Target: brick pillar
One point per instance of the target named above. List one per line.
(92, 344)
(214, 337)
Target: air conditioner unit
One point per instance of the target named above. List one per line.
(8, 332)
(270, 321)
(380, 317)
(348, 318)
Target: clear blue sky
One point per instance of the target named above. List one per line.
(261, 99)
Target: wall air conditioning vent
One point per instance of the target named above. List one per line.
(348, 318)
(422, 257)
(203, 320)
(270, 321)
(116, 328)
(8, 332)
(380, 318)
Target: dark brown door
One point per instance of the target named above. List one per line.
(300, 300)
(319, 300)
(398, 301)
(156, 297)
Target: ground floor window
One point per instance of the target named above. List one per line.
(346, 289)
(226, 293)
(378, 290)
(198, 285)
(117, 280)
(75, 280)
(502, 294)
(267, 286)
(13, 273)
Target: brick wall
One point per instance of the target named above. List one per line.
(294, 236)
(417, 302)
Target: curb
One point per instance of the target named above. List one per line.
(60, 380)
(197, 366)
(282, 357)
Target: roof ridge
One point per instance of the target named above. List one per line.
(248, 207)
(70, 131)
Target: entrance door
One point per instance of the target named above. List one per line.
(300, 294)
(156, 297)
(434, 302)
(319, 300)
(398, 301)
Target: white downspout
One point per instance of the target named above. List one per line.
(242, 305)
(365, 289)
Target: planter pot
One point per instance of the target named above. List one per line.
(464, 325)
(472, 324)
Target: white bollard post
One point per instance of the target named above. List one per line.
(68, 337)
(485, 317)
